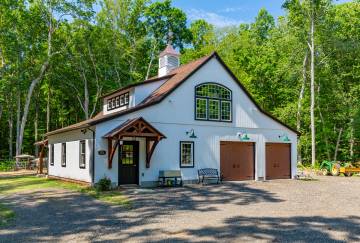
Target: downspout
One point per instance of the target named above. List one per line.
(93, 158)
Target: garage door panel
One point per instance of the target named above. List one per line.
(278, 161)
(237, 161)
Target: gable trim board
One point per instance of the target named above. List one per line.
(153, 101)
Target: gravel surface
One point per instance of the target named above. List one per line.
(327, 210)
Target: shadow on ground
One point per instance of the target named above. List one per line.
(54, 215)
(271, 229)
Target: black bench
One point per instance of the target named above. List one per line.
(208, 173)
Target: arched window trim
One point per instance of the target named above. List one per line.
(220, 100)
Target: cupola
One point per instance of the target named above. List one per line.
(168, 60)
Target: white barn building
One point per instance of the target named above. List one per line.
(187, 118)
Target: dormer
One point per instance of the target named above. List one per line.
(117, 101)
(168, 60)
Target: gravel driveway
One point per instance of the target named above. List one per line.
(327, 210)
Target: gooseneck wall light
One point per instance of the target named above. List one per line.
(191, 133)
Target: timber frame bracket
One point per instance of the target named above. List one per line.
(137, 127)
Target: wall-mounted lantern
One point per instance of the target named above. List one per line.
(191, 133)
(243, 136)
(284, 138)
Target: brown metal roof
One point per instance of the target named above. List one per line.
(175, 78)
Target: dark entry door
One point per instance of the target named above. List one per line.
(237, 160)
(278, 157)
(129, 163)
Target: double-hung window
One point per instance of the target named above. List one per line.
(82, 158)
(63, 154)
(186, 154)
(51, 154)
(213, 102)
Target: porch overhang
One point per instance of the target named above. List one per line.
(137, 127)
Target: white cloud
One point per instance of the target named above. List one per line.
(231, 10)
(212, 18)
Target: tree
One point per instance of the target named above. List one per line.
(202, 34)
(37, 17)
(163, 20)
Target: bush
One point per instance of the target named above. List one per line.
(104, 184)
(7, 165)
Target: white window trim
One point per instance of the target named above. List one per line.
(192, 165)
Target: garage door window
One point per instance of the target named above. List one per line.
(186, 154)
(213, 102)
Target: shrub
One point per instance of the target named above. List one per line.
(104, 184)
(7, 165)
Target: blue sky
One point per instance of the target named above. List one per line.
(229, 12)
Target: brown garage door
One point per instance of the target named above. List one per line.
(278, 161)
(237, 161)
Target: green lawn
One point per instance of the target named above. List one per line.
(30, 183)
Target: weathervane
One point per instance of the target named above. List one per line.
(170, 37)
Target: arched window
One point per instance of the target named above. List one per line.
(212, 102)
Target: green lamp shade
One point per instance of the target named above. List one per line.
(192, 134)
(286, 139)
(245, 137)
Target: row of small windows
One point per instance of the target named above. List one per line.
(213, 102)
(82, 152)
(118, 101)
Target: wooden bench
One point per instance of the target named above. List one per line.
(170, 178)
(208, 173)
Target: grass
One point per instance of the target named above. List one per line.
(31, 183)
(6, 215)
(112, 197)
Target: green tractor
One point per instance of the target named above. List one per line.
(335, 168)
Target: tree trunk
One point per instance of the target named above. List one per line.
(301, 96)
(48, 109)
(11, 128)
(36, 120)
(35, 81)
(323, 126)
(312, 90)
(27, 104)
(152, 54)
(351, 140)
(337, 144)
(18, 116)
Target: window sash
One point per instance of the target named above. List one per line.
(204, 114)
(118, 101)
(213, 91)
(186, 154)
(63, 154)
(214, 109)
(226, 113)
(82, 157)
(52, 154)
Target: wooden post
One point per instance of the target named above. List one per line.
(41, 159)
